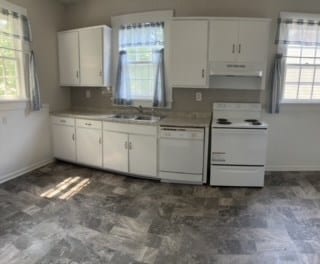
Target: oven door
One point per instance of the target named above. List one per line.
(238, 147)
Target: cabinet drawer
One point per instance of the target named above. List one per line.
(63, 120)
(87, 123)
(130, 128)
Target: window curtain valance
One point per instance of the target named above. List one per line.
(141, 34)
(298, 31)
(15, 35)
(15, 25)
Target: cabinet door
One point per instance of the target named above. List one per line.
(143, 155)
(89, 146)
(68, 44)
(253, 41)
(91, 56)
(115, 151)
(189, 53)
(223, 40)
(64, 146)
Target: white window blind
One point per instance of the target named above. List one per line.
(142, 72)
(299, 41)
(302, 73)
(11, 54)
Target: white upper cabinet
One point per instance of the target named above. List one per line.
(253, 41)
(68, 44)
(189, 53)
(223, 40)
(239, 40)
(84, 57)
(91, 50)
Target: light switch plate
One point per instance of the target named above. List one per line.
(4, 120)
(88, 94)
(198, 96)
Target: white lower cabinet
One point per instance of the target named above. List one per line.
(63, 136)
(89, 142)
(143, 155)
(115, 151)
(130, 149)
(127, 148)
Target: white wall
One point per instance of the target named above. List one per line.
(25, 141)
(294, 143)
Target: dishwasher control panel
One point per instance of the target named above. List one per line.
(182, 133)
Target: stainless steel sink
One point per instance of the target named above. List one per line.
(136, 118)
(147, 118)
(144, 118)
(124, 116)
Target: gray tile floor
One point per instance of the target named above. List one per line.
(68, 214)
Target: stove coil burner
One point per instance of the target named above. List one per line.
(223, 121)
(254, 122)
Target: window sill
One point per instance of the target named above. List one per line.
(315, 102)
(13, 104)
(17, 100)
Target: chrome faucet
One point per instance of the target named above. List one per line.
(138, 108)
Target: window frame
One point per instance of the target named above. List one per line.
(283, 49)
(145, 17)
(22, 97)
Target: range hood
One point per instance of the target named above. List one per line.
(236, 69)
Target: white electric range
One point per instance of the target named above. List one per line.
(238, 145)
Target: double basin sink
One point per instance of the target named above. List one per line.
(135, 118)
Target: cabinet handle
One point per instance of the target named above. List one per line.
(62, 121)
(73, 137)
(233, 48)
(88, 124)
(100, 140)
(100, 73)
(239, 48)
(130, 145)
(202, 73)
(126, 145)
(77, 74)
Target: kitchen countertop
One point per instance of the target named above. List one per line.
(172, 119)
(187, 120)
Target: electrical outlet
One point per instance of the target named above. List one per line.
(4, 120)
(88, 94)
(198, 96)
(104, 91)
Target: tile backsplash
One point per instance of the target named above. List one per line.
(184, 99)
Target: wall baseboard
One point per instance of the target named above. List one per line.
(293, 168)
(23, 171)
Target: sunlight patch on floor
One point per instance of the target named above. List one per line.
(66, 189)
(74, 190)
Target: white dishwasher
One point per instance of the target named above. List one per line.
(181, 154)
